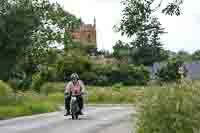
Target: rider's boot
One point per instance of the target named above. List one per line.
(67, 113)
(81, 112)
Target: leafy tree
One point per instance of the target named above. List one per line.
(27, 28)
(137, 11)
(182, 56)
(140, 23)
(169, 72)
(146, 47)
(120, 50)
(196, 55)
(18, 21)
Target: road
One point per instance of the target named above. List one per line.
(96, 119)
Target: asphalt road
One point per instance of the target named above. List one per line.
(102, 119)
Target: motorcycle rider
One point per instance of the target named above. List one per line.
(74, 86)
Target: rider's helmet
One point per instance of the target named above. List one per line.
(74, 76)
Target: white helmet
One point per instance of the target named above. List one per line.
(74, 76)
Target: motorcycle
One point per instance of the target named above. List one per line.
(74, 106)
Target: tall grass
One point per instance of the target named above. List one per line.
(25, 104)
(170, 109)
(113, 95)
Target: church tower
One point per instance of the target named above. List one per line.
(94, 23)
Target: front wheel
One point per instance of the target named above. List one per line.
(74, 116)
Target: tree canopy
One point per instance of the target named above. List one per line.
(28, 28)
(140, 23)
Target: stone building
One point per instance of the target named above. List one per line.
(85, 34)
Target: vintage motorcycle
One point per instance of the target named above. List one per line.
(74, 106)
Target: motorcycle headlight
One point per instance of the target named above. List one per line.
(74, 98)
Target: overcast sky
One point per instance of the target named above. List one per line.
(183, 31)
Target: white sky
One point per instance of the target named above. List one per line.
(183, 31)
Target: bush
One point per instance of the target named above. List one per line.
(19, 85)
(169, 72)
(127, 74)
(118, 86)
(103, 81)
(49, 88)
(89, 77)
(137, 75)
(103, 69)
(5, 89)
(170, 110)
(38, 80)
(73, 64)
(52, 75)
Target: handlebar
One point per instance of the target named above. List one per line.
(82, 94)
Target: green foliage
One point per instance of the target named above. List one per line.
(38, 80)
(18, 20)
(49, 88)
(27, 29)
(102, 69)
(118, 86)
(140, 23)
(56, 98)
(52, 74)
(109, 75)
(137, 75)
(170, 109)
(120, 50)
(89, 77)
(112, 95)
(170, 71)
(136, 13)
(196, 55)
(182, 56)
(28, 103)
(19, 85)
(5, 89)
(103, 81)
(13, 111)
(71, 64)
(38, 108)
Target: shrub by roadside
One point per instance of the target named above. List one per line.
(5, 89)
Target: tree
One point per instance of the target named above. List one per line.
(196, 55)
(27, 28)
(182, 56)
(120, 49)
(18, 21)
(145, 29)
(136, 13)
(140, 23)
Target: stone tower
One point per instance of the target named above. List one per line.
(85, 34)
